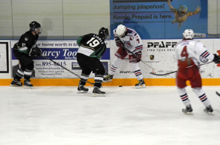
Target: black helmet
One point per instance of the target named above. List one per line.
(103, 33)
(35, 25)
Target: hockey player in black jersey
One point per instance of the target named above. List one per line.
(24, 50)
(91, 49)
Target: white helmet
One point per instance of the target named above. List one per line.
(120, 30)
(188, 34)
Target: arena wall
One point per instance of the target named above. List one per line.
(68, 19)
(158, 57)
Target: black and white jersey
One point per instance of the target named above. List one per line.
(91, 45)
(26, 42)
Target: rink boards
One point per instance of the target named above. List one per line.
(158, 56)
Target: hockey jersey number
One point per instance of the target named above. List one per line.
(93, 42)
(184, 52)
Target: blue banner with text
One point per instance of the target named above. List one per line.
(160, 19)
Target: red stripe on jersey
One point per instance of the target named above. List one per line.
(137, 73)
(139, 47)
(205, 54)
(184, 97)
(203, 98)
(112, 68)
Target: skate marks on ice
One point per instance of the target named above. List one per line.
(126, 116)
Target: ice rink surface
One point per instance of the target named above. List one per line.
(126, 116)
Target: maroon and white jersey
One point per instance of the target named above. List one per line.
(193, 50)
(132, 41)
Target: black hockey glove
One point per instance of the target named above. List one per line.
(35, 51)
(137, 55)
(118, 42)
(216, 59)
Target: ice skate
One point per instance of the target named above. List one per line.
(208, 109)
(140, 84)
(188, 109)
(108, 78)
(82, 89)
(27, 84)
(16, 83)
(98, 93)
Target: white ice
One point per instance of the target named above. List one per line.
(126, 116)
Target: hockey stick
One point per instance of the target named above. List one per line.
(173, 71)
(217, 93)
(65, 68)
(163, 74)
(218, 51)
(138, 58)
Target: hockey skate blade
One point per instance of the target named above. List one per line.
(106, 81)
(209, 113)
(15, 85)
(187, 113)
(140, 87)
(27, 87)
(82, 92)
(98, 95)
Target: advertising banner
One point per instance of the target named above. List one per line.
(62, 52)
(159, 57)
(4, 58)
(161, 19)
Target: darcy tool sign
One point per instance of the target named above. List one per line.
(64, 53)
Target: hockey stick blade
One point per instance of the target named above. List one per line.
(65, 68)
(163, 74)
(173, 71)
(217, 93)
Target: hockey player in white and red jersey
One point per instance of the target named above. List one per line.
(129, 43)
(190, 54)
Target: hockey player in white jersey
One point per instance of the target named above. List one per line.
(190, 54)
(129, 43)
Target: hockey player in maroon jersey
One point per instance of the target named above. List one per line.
(129, 43)
(190, 54)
